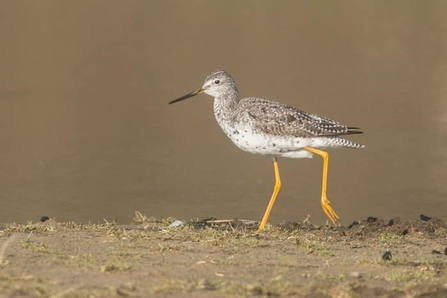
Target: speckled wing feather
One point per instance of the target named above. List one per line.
(279, 119)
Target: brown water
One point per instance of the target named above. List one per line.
(86, 132)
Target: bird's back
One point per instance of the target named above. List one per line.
(274, 118)
(267, 127)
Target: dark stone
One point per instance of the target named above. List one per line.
(354, 223)
(371, 219)
(424, 217)
(387, 256)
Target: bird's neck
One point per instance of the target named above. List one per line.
(225, 106)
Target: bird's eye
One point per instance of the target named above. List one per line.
(217, 82)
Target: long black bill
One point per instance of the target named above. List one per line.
(194, 93)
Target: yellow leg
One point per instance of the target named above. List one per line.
(325, 203)
(273, 198)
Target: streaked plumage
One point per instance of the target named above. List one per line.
(271, 128)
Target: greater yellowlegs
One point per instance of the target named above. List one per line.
(271, 128)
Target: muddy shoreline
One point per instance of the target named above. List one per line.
(208, 258)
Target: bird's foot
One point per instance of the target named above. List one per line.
(330, 213)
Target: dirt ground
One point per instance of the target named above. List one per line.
(371, 258)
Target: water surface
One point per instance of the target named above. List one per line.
(86, 132)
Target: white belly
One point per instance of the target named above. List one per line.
(291, 147)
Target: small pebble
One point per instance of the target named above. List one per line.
(354, 223)
(371, 219)
(387, 255)
(177, 223)
(424, 217)
(44, 218)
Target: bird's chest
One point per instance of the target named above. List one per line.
(242, 130)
